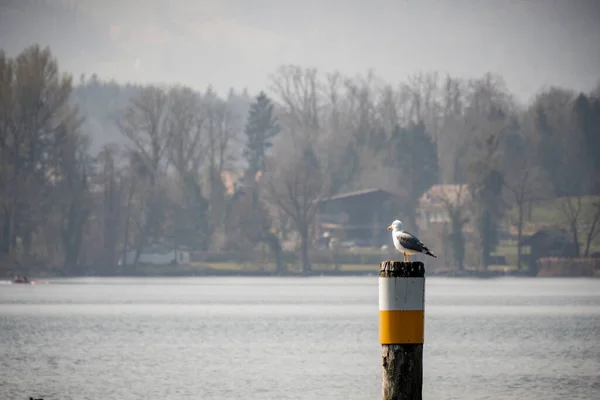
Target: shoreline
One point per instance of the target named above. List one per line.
(265, 274)
(233, 269)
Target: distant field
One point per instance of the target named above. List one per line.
(550, 213)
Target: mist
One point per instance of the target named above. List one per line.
(197, 197)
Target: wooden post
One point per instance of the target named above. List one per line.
(401, 328)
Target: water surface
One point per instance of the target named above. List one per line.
(292, 338)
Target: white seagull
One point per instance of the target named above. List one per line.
(407, 243)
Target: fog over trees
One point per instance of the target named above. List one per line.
(91, 170)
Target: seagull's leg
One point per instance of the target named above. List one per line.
(404, 256)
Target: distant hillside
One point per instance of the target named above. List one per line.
(100, 103)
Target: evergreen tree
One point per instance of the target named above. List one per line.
(415, 155)
(586, 116)
(260, 129)
(254, 222)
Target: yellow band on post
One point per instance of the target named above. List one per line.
(401, 326)
(401, 310)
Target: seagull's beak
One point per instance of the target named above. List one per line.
(389, 228)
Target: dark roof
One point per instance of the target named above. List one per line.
(358, 193)
(548, 236)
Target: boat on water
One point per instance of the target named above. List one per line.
(25, 281)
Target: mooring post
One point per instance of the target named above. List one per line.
(401, 328)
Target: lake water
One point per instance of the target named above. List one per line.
(292, 338)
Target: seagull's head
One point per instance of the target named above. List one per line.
(396, 226)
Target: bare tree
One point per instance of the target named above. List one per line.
(490, 119)
(295, 184)
(593, 228)
(582, 217)
(146, 124)
(572, 208)
(455, 200)
(296, 180)
(388, 109)
(112, 193)
(135, 172)
(421, 92)
(187, 119)
(298, 91)
(339, 116)
(452, 141)
(222, 129)
(333, 93)
(185, 123)
(75, 202)
(362, 92)
(527, 183)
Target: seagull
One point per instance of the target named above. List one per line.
(407, 243)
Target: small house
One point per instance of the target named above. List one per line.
(435, 203)
(359, 217)
(549, 242)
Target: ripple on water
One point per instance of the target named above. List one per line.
(292, 338)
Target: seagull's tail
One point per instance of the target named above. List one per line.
(429, 253)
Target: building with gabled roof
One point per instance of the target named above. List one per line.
(360, 216)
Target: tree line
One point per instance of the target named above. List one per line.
(195, 170)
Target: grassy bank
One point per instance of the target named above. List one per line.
(568, 267)
(241, 269)
(550, 214)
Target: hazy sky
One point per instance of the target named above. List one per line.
(238, 43)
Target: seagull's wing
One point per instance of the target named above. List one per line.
(411, 242)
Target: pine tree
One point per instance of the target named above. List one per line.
(255, 222)
(260, 129)
(415, 155)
